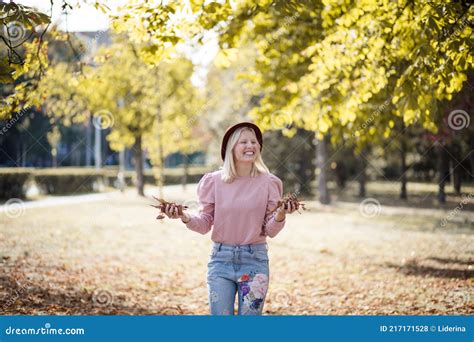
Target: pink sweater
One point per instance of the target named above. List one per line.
(239, 211)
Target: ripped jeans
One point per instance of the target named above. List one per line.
(241, 269)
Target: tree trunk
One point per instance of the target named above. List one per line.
(321, 161)
(54, 153)
(161, 158)
(121, 173)
(456, 167)
(98, 148)
(184, 179)
(341, 175)
(443, 173)
(403, 163)
(362, 174)
(403, 169)
(24, 152)
(161, 181)
(471, 155)
(89, 142)
(139, 165)
(306, 170)
(20, 152)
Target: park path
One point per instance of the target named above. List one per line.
(52, 201)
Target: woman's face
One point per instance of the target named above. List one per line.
(247, 147)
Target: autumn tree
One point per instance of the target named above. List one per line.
(323, 64)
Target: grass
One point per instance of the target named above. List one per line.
(420, 195)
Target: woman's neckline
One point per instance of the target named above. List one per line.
(249, 176)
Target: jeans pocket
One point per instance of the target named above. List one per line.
(260, 255)
(221, 255)
(214, 251)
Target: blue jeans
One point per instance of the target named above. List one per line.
(242, 269)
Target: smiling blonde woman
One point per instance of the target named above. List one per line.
(238, 203)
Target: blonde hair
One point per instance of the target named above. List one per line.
(229, 172)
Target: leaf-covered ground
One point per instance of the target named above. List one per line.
(113, 257)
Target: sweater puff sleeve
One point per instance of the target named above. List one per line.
(203, 220)
(275, 192)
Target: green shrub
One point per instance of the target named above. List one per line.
(72, 180)
(13, 182)
(171, 176)
(69, 180)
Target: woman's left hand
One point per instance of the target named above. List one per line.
(287, 208)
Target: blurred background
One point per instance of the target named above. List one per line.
(366, 109)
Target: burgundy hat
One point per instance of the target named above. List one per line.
(231, 130)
